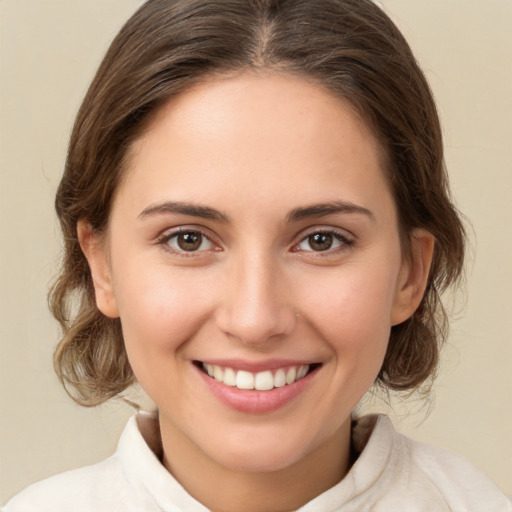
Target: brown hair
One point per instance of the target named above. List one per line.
(349, 46)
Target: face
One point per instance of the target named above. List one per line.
(254, 259)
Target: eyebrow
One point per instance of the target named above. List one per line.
(205, 212)
(322, 209)
(183, 208)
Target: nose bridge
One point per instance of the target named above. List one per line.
(257, 307)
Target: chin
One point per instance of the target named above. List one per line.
(261, 450)
(258, 460)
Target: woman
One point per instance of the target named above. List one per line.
(257, 226)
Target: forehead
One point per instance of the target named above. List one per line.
(259, 135)
(257, 103)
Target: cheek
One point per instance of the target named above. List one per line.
(354, 322)
(159, 316)
(159, 311)
(352, 311)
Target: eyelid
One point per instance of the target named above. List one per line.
(347, 239)
(164, 237)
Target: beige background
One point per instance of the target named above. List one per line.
(48, 52)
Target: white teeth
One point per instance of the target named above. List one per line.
(229, 377)
(261, 381)
(302, 371)
(280, 378)
(244, 380)
(264, 381)
(290, 375)
(218, 374)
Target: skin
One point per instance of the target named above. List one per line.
(255, 148)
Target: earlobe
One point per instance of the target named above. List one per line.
(93, 247)
(413, 277)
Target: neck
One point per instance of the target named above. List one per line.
(223, 489)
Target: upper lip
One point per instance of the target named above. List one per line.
(257, 366)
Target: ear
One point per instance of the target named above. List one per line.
(413, 276)
(94, 248)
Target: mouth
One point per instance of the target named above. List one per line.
(266, 380)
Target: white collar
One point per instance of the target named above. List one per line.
(139, 452)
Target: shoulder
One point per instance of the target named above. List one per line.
(84, 489)
(106, 486)
(462, 485)
(131, 480)
(395, 472)
(452, 478)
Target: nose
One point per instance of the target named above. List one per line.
(256, 307)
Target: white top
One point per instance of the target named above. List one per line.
(392, 474)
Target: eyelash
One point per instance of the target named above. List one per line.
(343, 239)
(165, 238)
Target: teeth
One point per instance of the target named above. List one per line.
(218, 374)
(302, 372)
(244, 380)
(290, 375)
(229, 377)
(280, 378)
(261, 381)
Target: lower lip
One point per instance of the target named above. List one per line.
(254, 401)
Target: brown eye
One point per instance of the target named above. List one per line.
(320, 241)
(188, 241)
(323, 241)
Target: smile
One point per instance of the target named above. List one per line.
(257, 388)
(260, 381)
